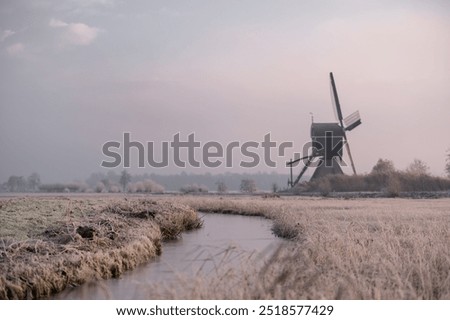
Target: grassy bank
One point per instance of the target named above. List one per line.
(47, 244)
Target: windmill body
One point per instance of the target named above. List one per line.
(328, 141)
(327, 145)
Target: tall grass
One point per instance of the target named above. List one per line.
(341, 249)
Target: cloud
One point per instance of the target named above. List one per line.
(79, 34)
(15, 49)
(5, 34)
(55, 23)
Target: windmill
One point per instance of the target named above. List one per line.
(328, 140)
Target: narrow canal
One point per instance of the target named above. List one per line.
(229, 240)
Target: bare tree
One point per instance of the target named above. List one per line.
(16, 184)
(100, 187)
(106, 184)
(221, 187)
(418, 168)
(275, 187)
(33, 181)
(125, 178)
(248, 185)
(383, 166)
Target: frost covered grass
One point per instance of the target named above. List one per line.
(383, 248)
(339, 249)
(47, 245)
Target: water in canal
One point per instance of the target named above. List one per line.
(223, 239)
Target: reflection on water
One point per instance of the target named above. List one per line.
(224, 239)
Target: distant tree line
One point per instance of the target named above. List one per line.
(22, 184)
(188, 182)
(33, 184)
(384, 177)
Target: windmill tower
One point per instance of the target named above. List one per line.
(328, 140)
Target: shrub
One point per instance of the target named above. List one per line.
(392, 184)
(248, 186)
(151, 186)
(114, 189)
(58, 187)
(194, 188)
(146, 186)
(324, 187)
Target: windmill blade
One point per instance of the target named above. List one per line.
(352, 121)
(333, 103)
(347, 146)
(339, 113)
(336, 100)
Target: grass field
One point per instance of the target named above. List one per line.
(338, 249)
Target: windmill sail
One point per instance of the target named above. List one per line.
(336, 99)
(339, 113)
(352, 121)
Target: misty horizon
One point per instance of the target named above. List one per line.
(76, 75)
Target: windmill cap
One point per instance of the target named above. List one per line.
(321, 129)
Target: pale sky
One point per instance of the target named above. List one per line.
(75, 74)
